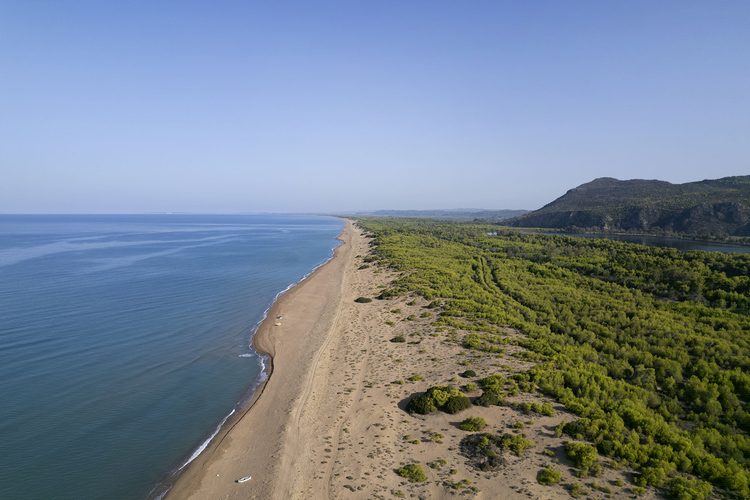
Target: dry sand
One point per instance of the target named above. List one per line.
(330, 423)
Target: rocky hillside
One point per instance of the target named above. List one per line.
(709, 208)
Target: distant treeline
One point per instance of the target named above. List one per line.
(650, 347)
(458, 214)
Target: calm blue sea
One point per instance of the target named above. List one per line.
(125, 340)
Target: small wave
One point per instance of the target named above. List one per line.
(206, 442)
(248, 355)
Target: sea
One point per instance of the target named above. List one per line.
(125, 340)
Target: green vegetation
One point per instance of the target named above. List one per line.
(415, 377)
(413, 472)
(582, 455)
(469, 374)
(398, 338)
(441, 397)
(549, 476)
(473, 424)
(483, 451)
(363, 300)
(515, 443)
(540, 408)
(575, 489)
(456, 404)
(648, 346)
(487, 399)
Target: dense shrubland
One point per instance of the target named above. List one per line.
(650, 347)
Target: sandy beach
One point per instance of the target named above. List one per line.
(330, 422)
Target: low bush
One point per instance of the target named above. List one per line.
(423, 405)
(574, 489)
(471, 387)
(473, 424)
(487, 399)
(363, 300)
(469, 374)
(549, 476)
(413, 472)
(582, 455)
(492, 383)
(456, 404)
(443, 397)
(515, 443)
(398, 338)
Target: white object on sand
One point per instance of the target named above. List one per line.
(243, 479)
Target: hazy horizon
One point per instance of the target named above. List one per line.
(330, 107)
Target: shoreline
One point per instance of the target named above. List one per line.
(237, 435)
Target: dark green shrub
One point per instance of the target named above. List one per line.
(398, 338)
(473, 424)
(413, 472)
(582, 455)
(363, 300)
(423, 405)
(487, 399)
(469, 374)
(438, 397)
(456, 404)
(433, 304)
(549, 476)
(387, 294)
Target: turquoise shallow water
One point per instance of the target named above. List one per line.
(125, 340)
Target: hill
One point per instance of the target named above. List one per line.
(716, 208)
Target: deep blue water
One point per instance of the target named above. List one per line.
(125, 340)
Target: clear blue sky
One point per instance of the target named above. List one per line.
(141, 106)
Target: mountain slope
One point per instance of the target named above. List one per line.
(718, 208)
